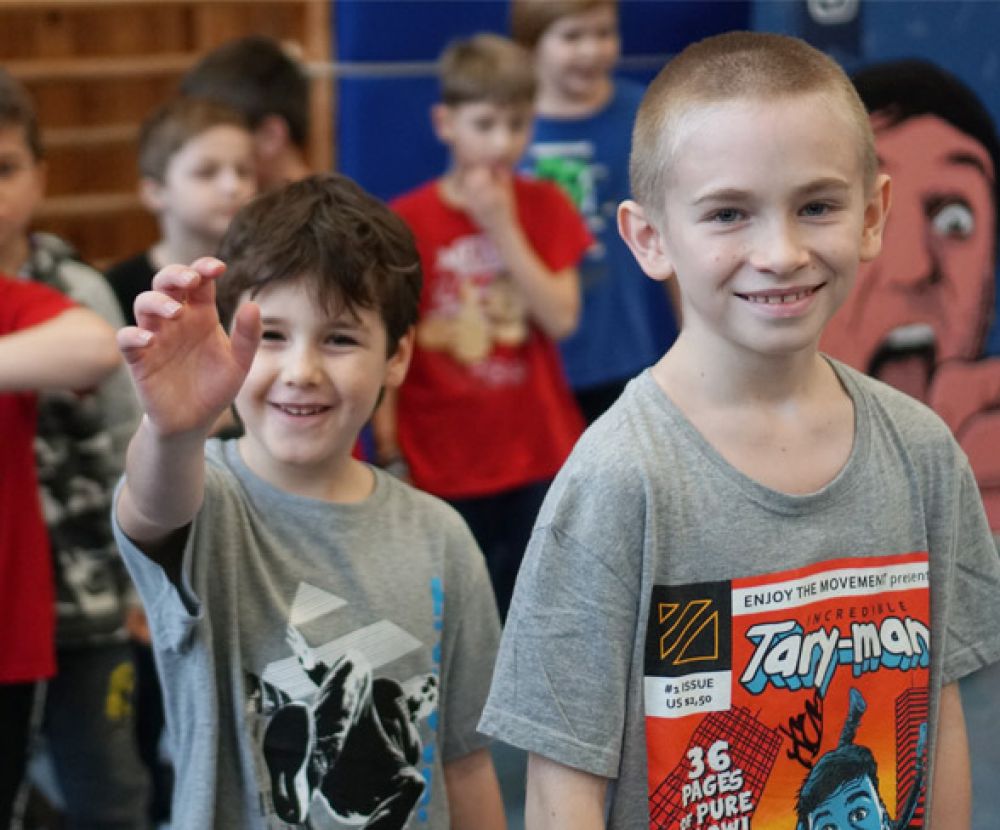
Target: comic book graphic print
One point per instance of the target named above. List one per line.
(790, 701)
(341, 743)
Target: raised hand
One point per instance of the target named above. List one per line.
(186, 369)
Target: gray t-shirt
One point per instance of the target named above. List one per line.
(712, 645)
(320, 662)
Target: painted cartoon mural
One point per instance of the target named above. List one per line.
(920, 313)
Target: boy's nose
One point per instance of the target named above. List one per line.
(301, 367)
(779, 249)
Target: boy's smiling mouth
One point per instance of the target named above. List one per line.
(300, 410)
(779, 296)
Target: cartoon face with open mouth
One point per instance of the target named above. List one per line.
(927, 298)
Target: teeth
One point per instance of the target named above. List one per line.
(301, 410)
(778, 299)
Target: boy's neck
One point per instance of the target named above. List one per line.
(14, 255)
(284, 169)
(342, 481)
(552, 103)
(183, 248)
(784, 421)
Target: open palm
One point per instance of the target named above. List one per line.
(185, 367)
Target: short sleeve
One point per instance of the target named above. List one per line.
(469, 645)
(560, 683)
(27, 304)
(556, 229)
(973, 625)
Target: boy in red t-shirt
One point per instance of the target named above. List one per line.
(45, 343)
(485, 417)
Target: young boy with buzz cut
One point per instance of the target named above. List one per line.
(756, 544)
(196, 169)
(324, 633)
(485, 417)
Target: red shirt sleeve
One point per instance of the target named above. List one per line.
(25, 304)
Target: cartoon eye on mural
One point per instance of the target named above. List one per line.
(920, 313)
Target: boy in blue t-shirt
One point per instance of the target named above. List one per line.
(579, 142)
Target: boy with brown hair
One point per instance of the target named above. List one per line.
(46, 343)
(324, 633)
(626, 321)
(261, 80)
(485, 417)
(79, 448)
(764, 535)
(196, 170)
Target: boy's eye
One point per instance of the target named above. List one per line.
(342, 339)
(205, 172)
(816, 209)
(9, 168)
(271, 334)
(726, 215)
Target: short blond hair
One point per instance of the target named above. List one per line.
(727, 67)
(529, 19)
(486, 67)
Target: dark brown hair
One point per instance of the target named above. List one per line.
(173, 125)
(17, 110)
(352, 250)
(257, 77)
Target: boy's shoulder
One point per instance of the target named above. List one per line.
(914, 423)
(54, 262)
(400, 508)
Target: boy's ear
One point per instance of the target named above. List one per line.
(271, 137)
(644, 240)
(399, 360)
(151, 194)
(441, 122)
(876, 212)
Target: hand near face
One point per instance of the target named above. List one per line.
(488, 195)
(967, 396)
(185, 368)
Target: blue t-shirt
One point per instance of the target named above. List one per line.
(627, 322)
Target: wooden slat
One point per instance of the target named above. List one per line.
(59, 137)
(89, 69)
(87, 204)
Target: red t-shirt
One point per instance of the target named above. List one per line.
(485, 406)
(27, 609)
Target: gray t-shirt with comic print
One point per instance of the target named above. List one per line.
(727, 654)
(319, 662)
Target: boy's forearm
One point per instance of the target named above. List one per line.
(951, 801)
(164, 485)
(562, 798)
(74, 350)
(474, 801)
(553, 299)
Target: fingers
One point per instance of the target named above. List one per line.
(151, 307)
(131, 341)
(245, 334)
(190, 282)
